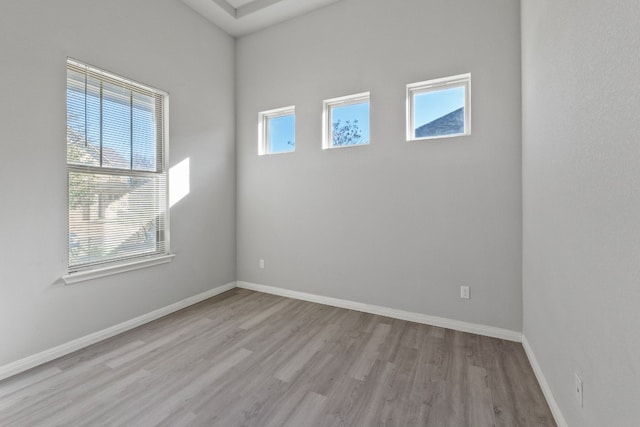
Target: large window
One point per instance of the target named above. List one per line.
(439, 108)
(346, 121)
(277, 131)
(117, 180)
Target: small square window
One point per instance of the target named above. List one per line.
(346, 121)
(439, 108)
(277, 131)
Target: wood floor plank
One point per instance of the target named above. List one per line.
(480, 404)
(19, 382)
(293, 364)
(370, 352)
(245, 358)
(307, 413)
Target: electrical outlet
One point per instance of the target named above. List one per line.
(578, 389)
(464, 292)
(261, 263)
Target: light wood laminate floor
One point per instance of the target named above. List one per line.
(245, 358)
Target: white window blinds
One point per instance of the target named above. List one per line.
(116, 169)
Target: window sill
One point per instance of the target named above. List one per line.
(82, 276)
(334, 147)
(431, 138)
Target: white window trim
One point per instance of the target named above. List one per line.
(95, 273)
(327, 128)
(110, 75)
(460, 80)
(131, 264)
(263, 129)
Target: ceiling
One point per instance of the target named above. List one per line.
(241, 17)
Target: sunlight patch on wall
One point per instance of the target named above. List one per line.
(178, 182)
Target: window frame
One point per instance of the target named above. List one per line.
(436, 85)
(327, 116)
(79, 273)
(263, 128)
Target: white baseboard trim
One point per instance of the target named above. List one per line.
(34, 360)
(457, 325)
(544, 385)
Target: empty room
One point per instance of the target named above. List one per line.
(320, 213)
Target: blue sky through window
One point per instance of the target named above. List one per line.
(430, 106)
(281, 132)
(353, 112)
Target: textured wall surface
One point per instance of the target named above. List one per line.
(581, 157)
(396, 224)
(164, 44)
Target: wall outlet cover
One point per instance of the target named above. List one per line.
(464, 292)
(578, 389)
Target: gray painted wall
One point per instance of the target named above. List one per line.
(582, 203)
(395, 224)
(185, 56)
